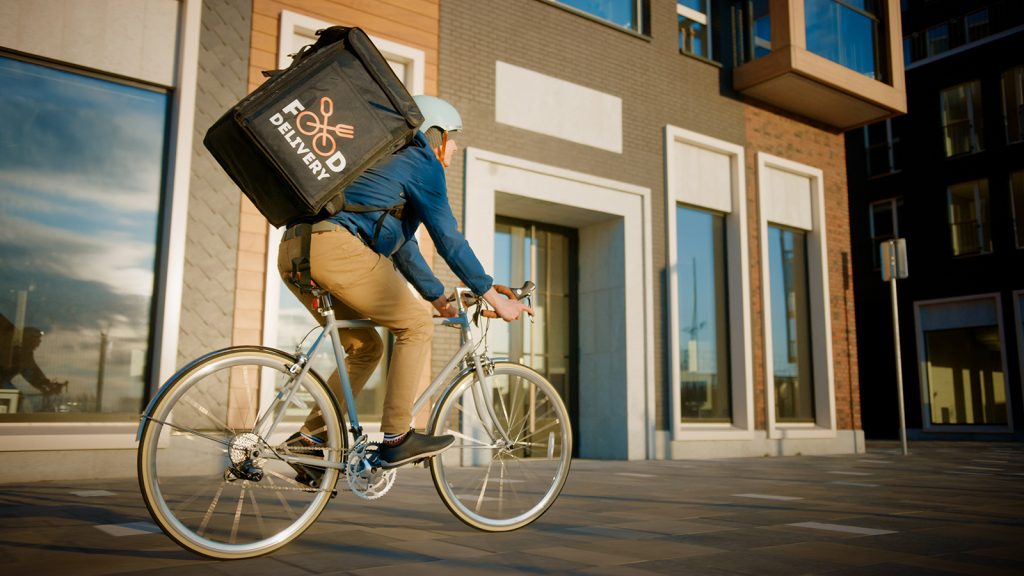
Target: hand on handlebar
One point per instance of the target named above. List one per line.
(508, 308)
(445, 307)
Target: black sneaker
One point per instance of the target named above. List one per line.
(413, 447)
(301, 443)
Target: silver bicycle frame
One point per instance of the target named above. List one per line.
(332, 326)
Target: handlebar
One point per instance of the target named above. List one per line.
(469, 299)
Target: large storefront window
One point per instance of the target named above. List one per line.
(81, 178)
(703, 317)
(962, 359)
(791, 325)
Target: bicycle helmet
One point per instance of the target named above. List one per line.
(438, 113)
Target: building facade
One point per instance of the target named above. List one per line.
(948, 178)
(671, 174)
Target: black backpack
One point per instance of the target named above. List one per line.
(297, 141)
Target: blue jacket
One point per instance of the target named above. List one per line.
(412, 173)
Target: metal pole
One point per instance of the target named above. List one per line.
(896, 342)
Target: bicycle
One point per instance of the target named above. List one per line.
(216, 474)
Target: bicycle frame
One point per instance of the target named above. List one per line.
(331, 327)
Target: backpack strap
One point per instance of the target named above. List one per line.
(301, 275)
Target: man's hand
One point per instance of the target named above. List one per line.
(445, 308)
(506, 308)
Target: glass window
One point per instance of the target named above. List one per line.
(976, 25)
(694, 22)
(1013, 104)
(625, 13)
(703, 316)
(81, 182)
(961, 118)
(752, 30)
(969, 218)
(882, 146)
(846, 32)
(791, 325)
(1017, 206)
(546, 255)
(937, 39)
(963, 363)
(885, 224)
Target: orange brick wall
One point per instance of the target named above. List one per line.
(780, 136)
(410, 22)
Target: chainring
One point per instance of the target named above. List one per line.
(366, 479)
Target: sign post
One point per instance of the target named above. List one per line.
(894, 266)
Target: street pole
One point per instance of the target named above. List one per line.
(894, 254)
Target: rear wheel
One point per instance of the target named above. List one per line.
(504, 472)
(211, 473)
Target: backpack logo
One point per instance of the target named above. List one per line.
(309, 124)
(324, 143)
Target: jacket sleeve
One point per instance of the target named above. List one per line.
(411, 264)
(450, 243)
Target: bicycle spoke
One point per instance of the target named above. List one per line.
(207, 483)
(511, 482)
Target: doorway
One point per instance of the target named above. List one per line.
(547, 255)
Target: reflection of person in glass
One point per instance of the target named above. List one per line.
(18, 359)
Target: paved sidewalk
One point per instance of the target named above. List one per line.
(947, 508)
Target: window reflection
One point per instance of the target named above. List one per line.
(81, 175)
(846, 32)
(791, 325)
(624, 13)
(703, 317)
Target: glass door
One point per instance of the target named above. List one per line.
(546, 255)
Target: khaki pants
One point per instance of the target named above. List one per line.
(365, 284)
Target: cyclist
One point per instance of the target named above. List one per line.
(349, 256)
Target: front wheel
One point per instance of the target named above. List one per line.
(211, 461)
(505, 471)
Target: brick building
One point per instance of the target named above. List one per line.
(671, 174)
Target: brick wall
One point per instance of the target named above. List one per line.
(772, 133)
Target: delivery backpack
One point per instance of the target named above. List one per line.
(297, 141)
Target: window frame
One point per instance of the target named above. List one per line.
(1017, 207)
(922, 367)
(738, 288)
(813, 215)
(975, 126)
(641, 10)
(982, 217)
(890, 144)
(1017, 74)
(896, 205)
(702, 18)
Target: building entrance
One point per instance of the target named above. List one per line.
(547, 255)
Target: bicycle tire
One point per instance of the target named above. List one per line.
(487, 482)
(200, 425)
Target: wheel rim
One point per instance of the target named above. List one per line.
(212, 482)
(499, 483)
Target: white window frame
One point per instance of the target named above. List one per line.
(922, 367)
(812, 220)
(702, 18)
(741, 372)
